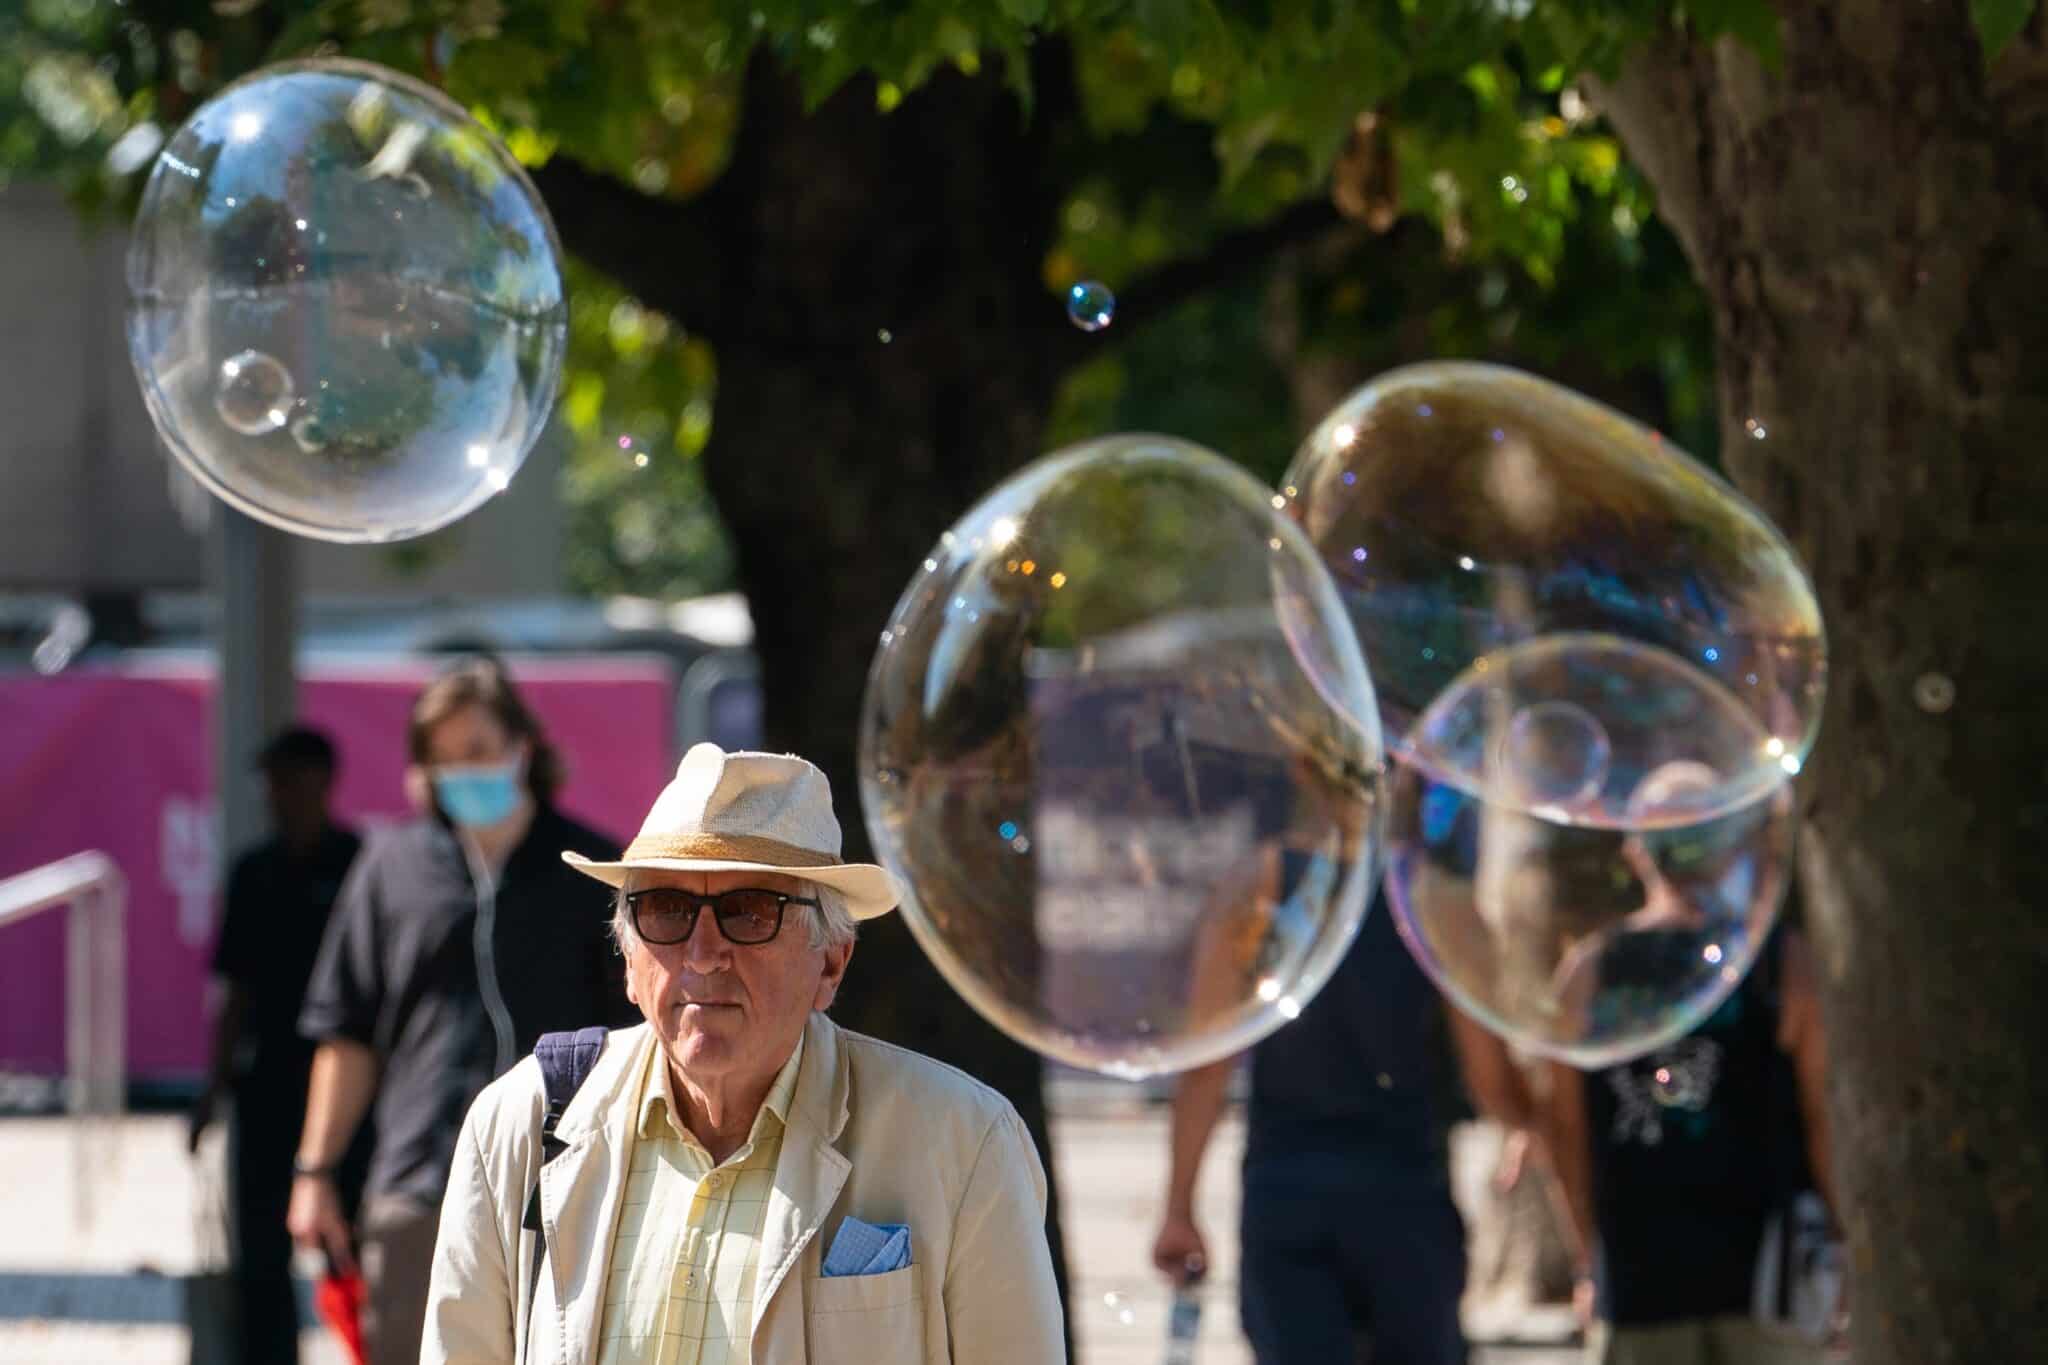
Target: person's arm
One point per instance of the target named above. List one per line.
(235, 961)
(227, 1033)
(1562, 1124)
(1002, 1302)
(1804, 1040)
(1238, 917)
(1179, 1251)
(343, 1000)
(338, 1094)
(1491, 1077)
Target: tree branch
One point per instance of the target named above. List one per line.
(1230, 256)
(662, 250)
(1654, 105)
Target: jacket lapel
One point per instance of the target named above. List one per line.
(810, 1172)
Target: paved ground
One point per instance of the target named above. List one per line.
(106, 1291)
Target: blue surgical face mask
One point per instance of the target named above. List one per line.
(477, 797)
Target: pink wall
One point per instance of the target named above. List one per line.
(120, 758)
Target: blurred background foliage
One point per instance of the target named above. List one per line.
(1490, 211)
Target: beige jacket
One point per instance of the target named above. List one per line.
(874, 1132)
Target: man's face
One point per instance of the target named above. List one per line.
(730, 1010)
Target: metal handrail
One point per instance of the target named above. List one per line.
(57, 883)
(95, 1010)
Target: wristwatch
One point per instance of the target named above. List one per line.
(301, 1167)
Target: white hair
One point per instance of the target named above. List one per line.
(832, 924)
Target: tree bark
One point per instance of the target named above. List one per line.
(1871, 222)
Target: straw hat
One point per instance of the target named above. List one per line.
(748, 812)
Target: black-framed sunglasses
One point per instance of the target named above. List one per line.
(745, 915)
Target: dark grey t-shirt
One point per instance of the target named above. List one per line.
(399, 973)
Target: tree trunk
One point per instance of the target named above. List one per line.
(887, 351)
(1872, 225)
(838, 456)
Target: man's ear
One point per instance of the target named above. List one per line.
(623, 946)
(834, 973)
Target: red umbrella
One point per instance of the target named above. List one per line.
(339, 1300)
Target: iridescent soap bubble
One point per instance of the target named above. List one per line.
(1598, 667)
(346, 303)
(1137, 833)
(1090, 306)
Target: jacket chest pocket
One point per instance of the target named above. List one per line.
(865, 1319)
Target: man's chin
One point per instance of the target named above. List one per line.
(704, 1035)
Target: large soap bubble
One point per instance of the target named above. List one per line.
(346, 305)
(1598, 668)
(1137, 833)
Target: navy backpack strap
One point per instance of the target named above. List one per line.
(566, 1060)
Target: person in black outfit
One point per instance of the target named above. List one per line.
(1350, 1242)
(279, 897)
(460, 939)
(1671, 1165)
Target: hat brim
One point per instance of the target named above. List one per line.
(869, 890)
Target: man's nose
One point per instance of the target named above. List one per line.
(706, 946)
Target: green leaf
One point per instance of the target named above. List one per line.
(1998, 23)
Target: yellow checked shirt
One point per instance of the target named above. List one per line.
(681, 1286)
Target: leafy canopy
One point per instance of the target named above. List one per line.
(1193, 117)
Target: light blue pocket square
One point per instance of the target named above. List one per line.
(868, 1249)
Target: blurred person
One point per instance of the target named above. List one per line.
(279, 897)
(459, 939)
(737, 1178)
(1671, 1167)
(1349, 1239)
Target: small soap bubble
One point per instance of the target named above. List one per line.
(306, 434)
(1555, 754)
(254, 397)
(1090, 306)
(1934, 693)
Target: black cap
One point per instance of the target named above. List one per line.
(298, 746)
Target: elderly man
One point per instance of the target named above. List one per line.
(738, 1179)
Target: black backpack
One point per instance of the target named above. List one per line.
(566, 1060)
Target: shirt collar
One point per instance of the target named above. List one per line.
(657, 1101)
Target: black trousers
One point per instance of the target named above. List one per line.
(263, 1136)
(1334, 1273)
